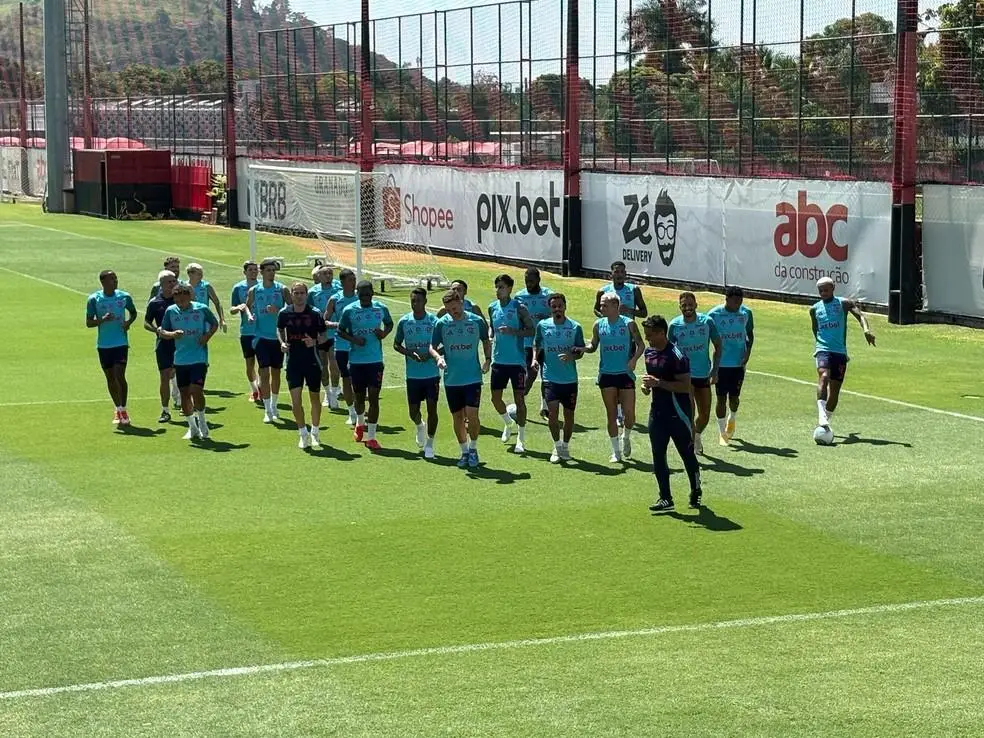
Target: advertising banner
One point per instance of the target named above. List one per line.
(953, 249)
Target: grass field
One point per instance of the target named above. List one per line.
(824, 591)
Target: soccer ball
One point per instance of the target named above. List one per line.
(511, 411)
(823, 436)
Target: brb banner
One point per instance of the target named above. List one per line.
(770, 235)
(953, 249)
(514, 214)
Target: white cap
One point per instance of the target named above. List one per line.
(824, 281)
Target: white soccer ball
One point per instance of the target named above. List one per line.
(511, 411)
(823, 436)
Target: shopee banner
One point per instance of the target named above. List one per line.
(770, 235)
(514, 214)
(784, 235)
(953, 249)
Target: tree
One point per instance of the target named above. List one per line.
(661, 29)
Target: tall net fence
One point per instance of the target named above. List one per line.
(746, 87)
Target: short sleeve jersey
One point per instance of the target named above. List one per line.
(694, 340)
(110, 334)
(615, 344)
(200, 292)
(266, 321)
(556, 339)
(667, 364)
(506, 350)
(460, 340)
(362, 321)
(415, 335)
(733, 327)
(538, 305)
(342, 301)
(154, 314)
(239, 292)
(195, 320)
(626, 293)
(308, 322)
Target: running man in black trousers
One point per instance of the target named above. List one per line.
(671, 416)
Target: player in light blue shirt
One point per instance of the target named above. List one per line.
(621, 345)
(171, 264)
(555, 340)
(454, 346)
(632, 304)
(536, 299)
(111, 312)
(325, 285)
(203, 292)
(829, 319)
(191, 326)
(694, 333)
(333, 313)
(461, 287)
(365, 325)
(510, 324)
(413, 338)
(264, 301)
(737, 332)
(247, 327)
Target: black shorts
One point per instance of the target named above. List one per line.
(110, 357)
(341, 358)
(565, 394)
(190, 374)
(366, 376)
(246, 344)
(730, 380)
(502, 375)
(327, 345)
(269, 354)
(835, 364)
(423, 390)
(464, 395)
(308, 374)
(622, 381)
(164, 353)
(700, 382)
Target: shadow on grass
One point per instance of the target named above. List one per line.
(399, 453)
(222, 393)
(705, 518)
(332, 452)
(852, 438)
(139, 431)
(751, 448)
(720, 466)
(219, 447)
(499, 476)
(582, 465)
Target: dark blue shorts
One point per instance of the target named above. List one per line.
(246, 344)
(461, 396)
(835, 364)
(502, 375)
(268, 353)
(623, 381)
(565, 394)
(110, 357)
(700, 382)
(164, 352)
(341, 358)
(366, 376)
(730, 380)
(423, 390)
(190, 374)
(327, 346)
(299, 375)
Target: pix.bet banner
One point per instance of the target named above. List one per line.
(670, 227)
(953, 249)
(515, 214)
(784, 235)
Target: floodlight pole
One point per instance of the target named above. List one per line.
(55, 102)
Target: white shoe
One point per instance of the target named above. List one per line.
(565, 452)
(421, 437)
(506, 432)
(698, 445)
(267, 418)
(192, 433)
(315, 437)
(626, 448)
(519, 448)
(428, 452)
(615, 458)
(326, 402)
(555, 456)
(304, 441)
(350, 422)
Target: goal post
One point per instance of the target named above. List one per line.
(19, 180)
(344, 218)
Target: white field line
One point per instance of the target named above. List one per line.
(890, 401)
(44, 281)
(239, 671)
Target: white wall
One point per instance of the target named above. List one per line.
(953, 249)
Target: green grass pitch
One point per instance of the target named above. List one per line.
(135, 555)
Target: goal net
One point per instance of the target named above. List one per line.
(343, 218)
(21, 174)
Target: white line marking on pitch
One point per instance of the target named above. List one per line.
(490, 646)
(44, 281)
(900, 403)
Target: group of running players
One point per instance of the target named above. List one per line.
(330, 337)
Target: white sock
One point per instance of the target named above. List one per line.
(543, 404)
(192, 423)
(335, 393)
(119, 408)
(732, 414)
(472, 445)
(430, 441)
(267, 405)
(822, 415)
(164, 409)
(360, 419)
(421, 428)
(273, 402)
(253, 387)
(723, 425)
(558, 445)
(372, 431)
(464, 447)
(352, 413)
(614, 442)
(302, 431)
(830, 415)
(522, 434)
(626, 435)
(506, 419)
(201, 418)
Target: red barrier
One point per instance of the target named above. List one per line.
(190, 184)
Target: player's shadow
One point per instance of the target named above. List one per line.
(221, 393)
(752, 448)
(219, 447)
(852, 438)
(499, 476)
(720, 466)
(139, 431)
(578, 428)
(579, 465)
(704, 518)
(213, 410)
(331, 452)
(399, 453)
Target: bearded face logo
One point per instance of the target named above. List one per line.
(665, 227)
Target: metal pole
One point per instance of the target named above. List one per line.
(741, 79)
(707, 57)
(56, 102)
(232, 185)
(571, 237)
(850, 109)
(86, 89)
(970, 117)
(754, 90)
(366, 158)
(23, 85)
(471, 70)
(799, 94)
